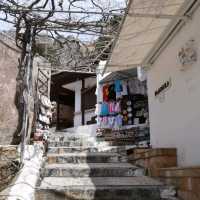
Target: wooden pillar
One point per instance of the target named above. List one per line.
(58, 108)
(83, 102)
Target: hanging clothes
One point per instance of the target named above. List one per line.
(106, 92)
(118, 121)
(105, 122)
(124, 88)
(111, 95)
(118, 107)
(102, 122)
(111, 121)
(104, 109)
(118, 86)
(111, 106)
(118, 95)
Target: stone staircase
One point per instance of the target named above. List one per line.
(79, 167)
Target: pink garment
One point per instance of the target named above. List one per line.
(103, 122)
(117, 107)
(111, 107)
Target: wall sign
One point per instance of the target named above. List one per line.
(188, 53)
(163, 88)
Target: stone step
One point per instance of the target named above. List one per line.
(108, 149)
(85, 158)
(92, 170)
(77, 149)
(99, 188)
(63, 149)
(69, 137)
(59, 138)
(71, 143)
(89, 130)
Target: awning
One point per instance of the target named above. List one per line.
(144, 31)
(58, 80)
(66, 77)
(120, 75)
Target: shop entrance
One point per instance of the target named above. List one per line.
(123, 108)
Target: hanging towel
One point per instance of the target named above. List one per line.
(118, 86)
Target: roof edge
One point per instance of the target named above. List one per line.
(117, 37)
(173, 28)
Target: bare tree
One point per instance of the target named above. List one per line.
(85, 20)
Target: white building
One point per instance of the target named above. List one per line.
(77, 88)
(166, 42)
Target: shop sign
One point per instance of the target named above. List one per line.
(164, 87)
(188, 53)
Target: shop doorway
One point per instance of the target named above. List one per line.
(123, 109)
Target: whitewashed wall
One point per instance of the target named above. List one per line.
(175, 122)
(76, 86)
(78, 117)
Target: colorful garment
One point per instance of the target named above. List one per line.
(117, 107)
(104, 109)
(103, 122)
(111, 121)
(106, 92)
(118, 95)
(111, 95)
(111, 106)
(118, 121)
(118, 86)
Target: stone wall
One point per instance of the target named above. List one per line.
(10, 123)
(186, 180)
(8, 165)
(161, 163)
(153, 159)
(8, 72)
